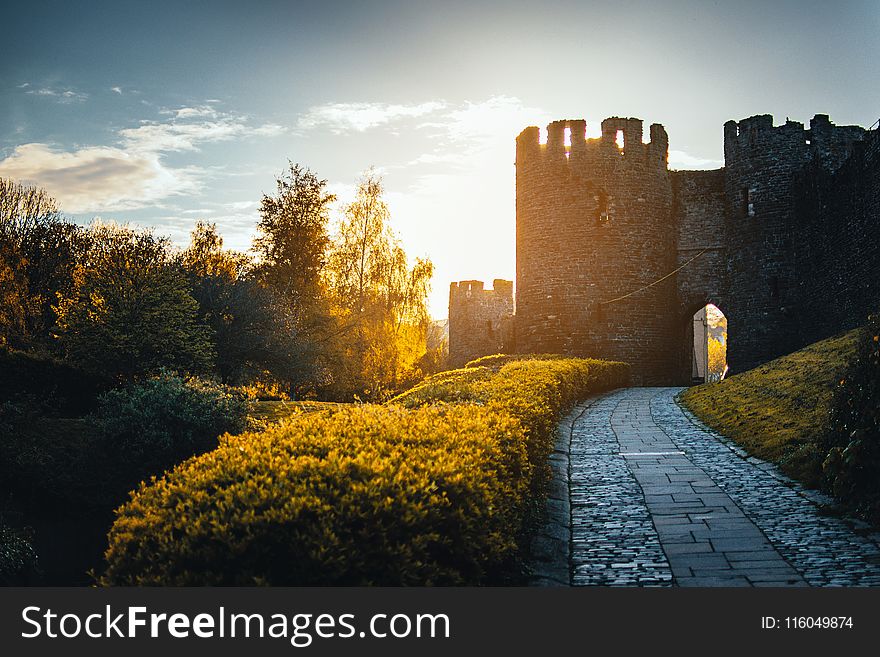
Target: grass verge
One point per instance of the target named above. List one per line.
(778, 410)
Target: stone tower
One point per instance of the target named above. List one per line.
(480, 321)
(594, 223)
(615, 253)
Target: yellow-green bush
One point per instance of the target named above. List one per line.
(415, 492)
(495, 361)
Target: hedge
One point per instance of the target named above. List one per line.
(422, 491)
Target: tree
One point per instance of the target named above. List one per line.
(38, 255)
(292, 240)
(253, 337)
(130, 313)
(205, 255)
(379, 300)
(717, 359)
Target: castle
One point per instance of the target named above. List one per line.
(615, 252)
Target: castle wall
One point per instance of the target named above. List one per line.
(480, 321)
(837, 261)
(701, 247)
(615, 253)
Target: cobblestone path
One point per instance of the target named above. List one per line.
(654, 498)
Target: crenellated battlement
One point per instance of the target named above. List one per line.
(790, 144)
(567, 141)
(615, 252)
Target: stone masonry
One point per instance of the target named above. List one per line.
(480, 321)
(783, 240)
(644, 494)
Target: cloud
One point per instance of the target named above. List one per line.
(682, 160)
(96, 179)
(192, 112)
(358, 117)
(63, 96)
(132, 173)
(182, 133)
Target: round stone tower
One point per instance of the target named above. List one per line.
(594, 238)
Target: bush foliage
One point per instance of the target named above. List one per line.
(18, 561)
(852, 467)
(157, 423)
(435, 488)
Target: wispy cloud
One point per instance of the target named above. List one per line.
(133, 172)
(358, 117)
(59, 95)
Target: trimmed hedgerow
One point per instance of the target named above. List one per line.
(417, 492)
(495, 361)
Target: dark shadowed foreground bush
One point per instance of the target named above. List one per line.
(157, 423)
(852, 467)
(18, 561)
(63, 389)
(416, 492)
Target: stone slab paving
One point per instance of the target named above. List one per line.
(614, 541)
(825, 550)
(657, 499)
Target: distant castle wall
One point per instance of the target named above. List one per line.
(615, 252)
(480, 320)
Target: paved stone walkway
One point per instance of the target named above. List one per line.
(657, 499)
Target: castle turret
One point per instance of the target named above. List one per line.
(761, 164)
(594, 226)
(480, 320)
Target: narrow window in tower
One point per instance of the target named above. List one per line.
(748, 202)
(566, 142)
(619, 141)
(774, 287)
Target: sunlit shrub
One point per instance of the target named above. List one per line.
(364, 495)
(436, 488)
(495, 361)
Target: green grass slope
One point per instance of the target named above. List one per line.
(777, 411)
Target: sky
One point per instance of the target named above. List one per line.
(164, 113)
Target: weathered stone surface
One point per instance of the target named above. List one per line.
(748, 525)
(480, 321)
(787, 226)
